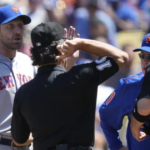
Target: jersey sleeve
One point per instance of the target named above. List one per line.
(112, 112)
(19, 128)
(145, 92)
(103, 68)
(95, 72)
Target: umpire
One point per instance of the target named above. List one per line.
(58, 107)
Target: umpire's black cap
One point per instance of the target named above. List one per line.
(44, 34)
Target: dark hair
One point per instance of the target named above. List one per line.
(45, 55)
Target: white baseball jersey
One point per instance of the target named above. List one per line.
(13, 74)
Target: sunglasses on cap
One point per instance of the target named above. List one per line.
(142, 56)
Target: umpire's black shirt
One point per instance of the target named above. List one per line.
(58, 106)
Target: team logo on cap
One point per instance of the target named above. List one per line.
(15, 9)
(147, 39)
(38, 44)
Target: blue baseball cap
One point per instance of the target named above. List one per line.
(145, 44)
(10, 12)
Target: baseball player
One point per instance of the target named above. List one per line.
(120, 104)
(141, 110)
(16, 68)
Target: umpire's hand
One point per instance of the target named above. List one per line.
(68, 48)
(70, 61)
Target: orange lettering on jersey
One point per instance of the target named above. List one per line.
(24, 79)
(110, 98)
(2, 86)
(147, 39)
(15, 9)
(19, 77)
(29, 78)
(9, 81)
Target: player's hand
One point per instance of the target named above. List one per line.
(28, 142)
(135, 129)
(123, 148)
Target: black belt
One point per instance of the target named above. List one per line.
(5, 141)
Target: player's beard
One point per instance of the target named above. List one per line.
(10, 44)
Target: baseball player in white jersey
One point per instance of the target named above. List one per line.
(15, 68)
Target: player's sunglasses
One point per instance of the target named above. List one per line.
(142, 56)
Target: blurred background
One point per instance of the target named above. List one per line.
(121, 23)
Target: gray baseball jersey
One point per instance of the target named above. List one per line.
(13, 74)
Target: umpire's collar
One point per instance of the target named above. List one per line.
(50, 68)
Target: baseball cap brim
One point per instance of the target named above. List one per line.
(143, 48)
(26, 19)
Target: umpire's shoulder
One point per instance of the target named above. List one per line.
(132, 79)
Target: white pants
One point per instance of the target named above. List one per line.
(4, 147)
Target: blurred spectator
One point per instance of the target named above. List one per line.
(7, 2)
(84, 16)
(145, 6)
(38, 14)
(128, 11)
(95, 10)
(56, 11)
(97, 28)
(126, 14)
(128, 69)
(82, 21)
(113, 4)
(141, 2)
(131, 17)
(36, 11)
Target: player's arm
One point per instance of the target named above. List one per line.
(94, 47)
(143, 104)
(140, 115)
(141, 111)
(111, 116)
(28, 142)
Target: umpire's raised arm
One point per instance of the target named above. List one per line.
(91, 46)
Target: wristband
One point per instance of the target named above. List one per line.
(139, 117)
